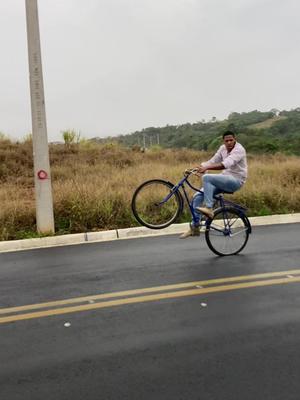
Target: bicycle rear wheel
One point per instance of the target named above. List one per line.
(155, 205)
(228, 232)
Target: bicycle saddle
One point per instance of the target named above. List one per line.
(224, 191)
(216, 196)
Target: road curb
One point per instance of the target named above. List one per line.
(127, 233)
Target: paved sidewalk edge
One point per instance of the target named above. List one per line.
(129, 233)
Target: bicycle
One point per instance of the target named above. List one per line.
(157, 203)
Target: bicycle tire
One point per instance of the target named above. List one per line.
(228, 232)
(148, 208)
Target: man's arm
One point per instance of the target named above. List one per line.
(216, 158)
(235, 156)
(214, 166)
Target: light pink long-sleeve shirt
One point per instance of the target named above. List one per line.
(235, 162)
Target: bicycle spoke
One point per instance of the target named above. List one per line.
(241, 231)
(228, 232)
(155, 205)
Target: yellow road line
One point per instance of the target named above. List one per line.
(148, 298)
(146, 290)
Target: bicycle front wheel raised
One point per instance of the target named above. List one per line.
(228, 232)
(155, 204)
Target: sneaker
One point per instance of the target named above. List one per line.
(208, 212)
(193, 231)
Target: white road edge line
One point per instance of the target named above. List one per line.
(127, 233)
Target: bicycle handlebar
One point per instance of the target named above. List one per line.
(191, 171)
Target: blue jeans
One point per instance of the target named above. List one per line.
(212, 184)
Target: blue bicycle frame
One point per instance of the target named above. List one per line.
(218, 197)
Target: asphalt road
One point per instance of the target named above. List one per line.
(188, 337)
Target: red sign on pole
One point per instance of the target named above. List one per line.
(42, 174)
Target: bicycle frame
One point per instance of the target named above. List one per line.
(226, 233)
(218, 197)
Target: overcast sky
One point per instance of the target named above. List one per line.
(115, 66)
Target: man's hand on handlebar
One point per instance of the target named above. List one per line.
(201, 170)
(194, 171)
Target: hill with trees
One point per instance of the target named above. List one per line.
(260, 132)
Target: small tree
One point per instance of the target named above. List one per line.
(71, 137)
(27, 138)
(3, 137)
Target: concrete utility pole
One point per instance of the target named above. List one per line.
(42, 178)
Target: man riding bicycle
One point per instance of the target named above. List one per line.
(231, 159)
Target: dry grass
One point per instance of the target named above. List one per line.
(93, 185)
